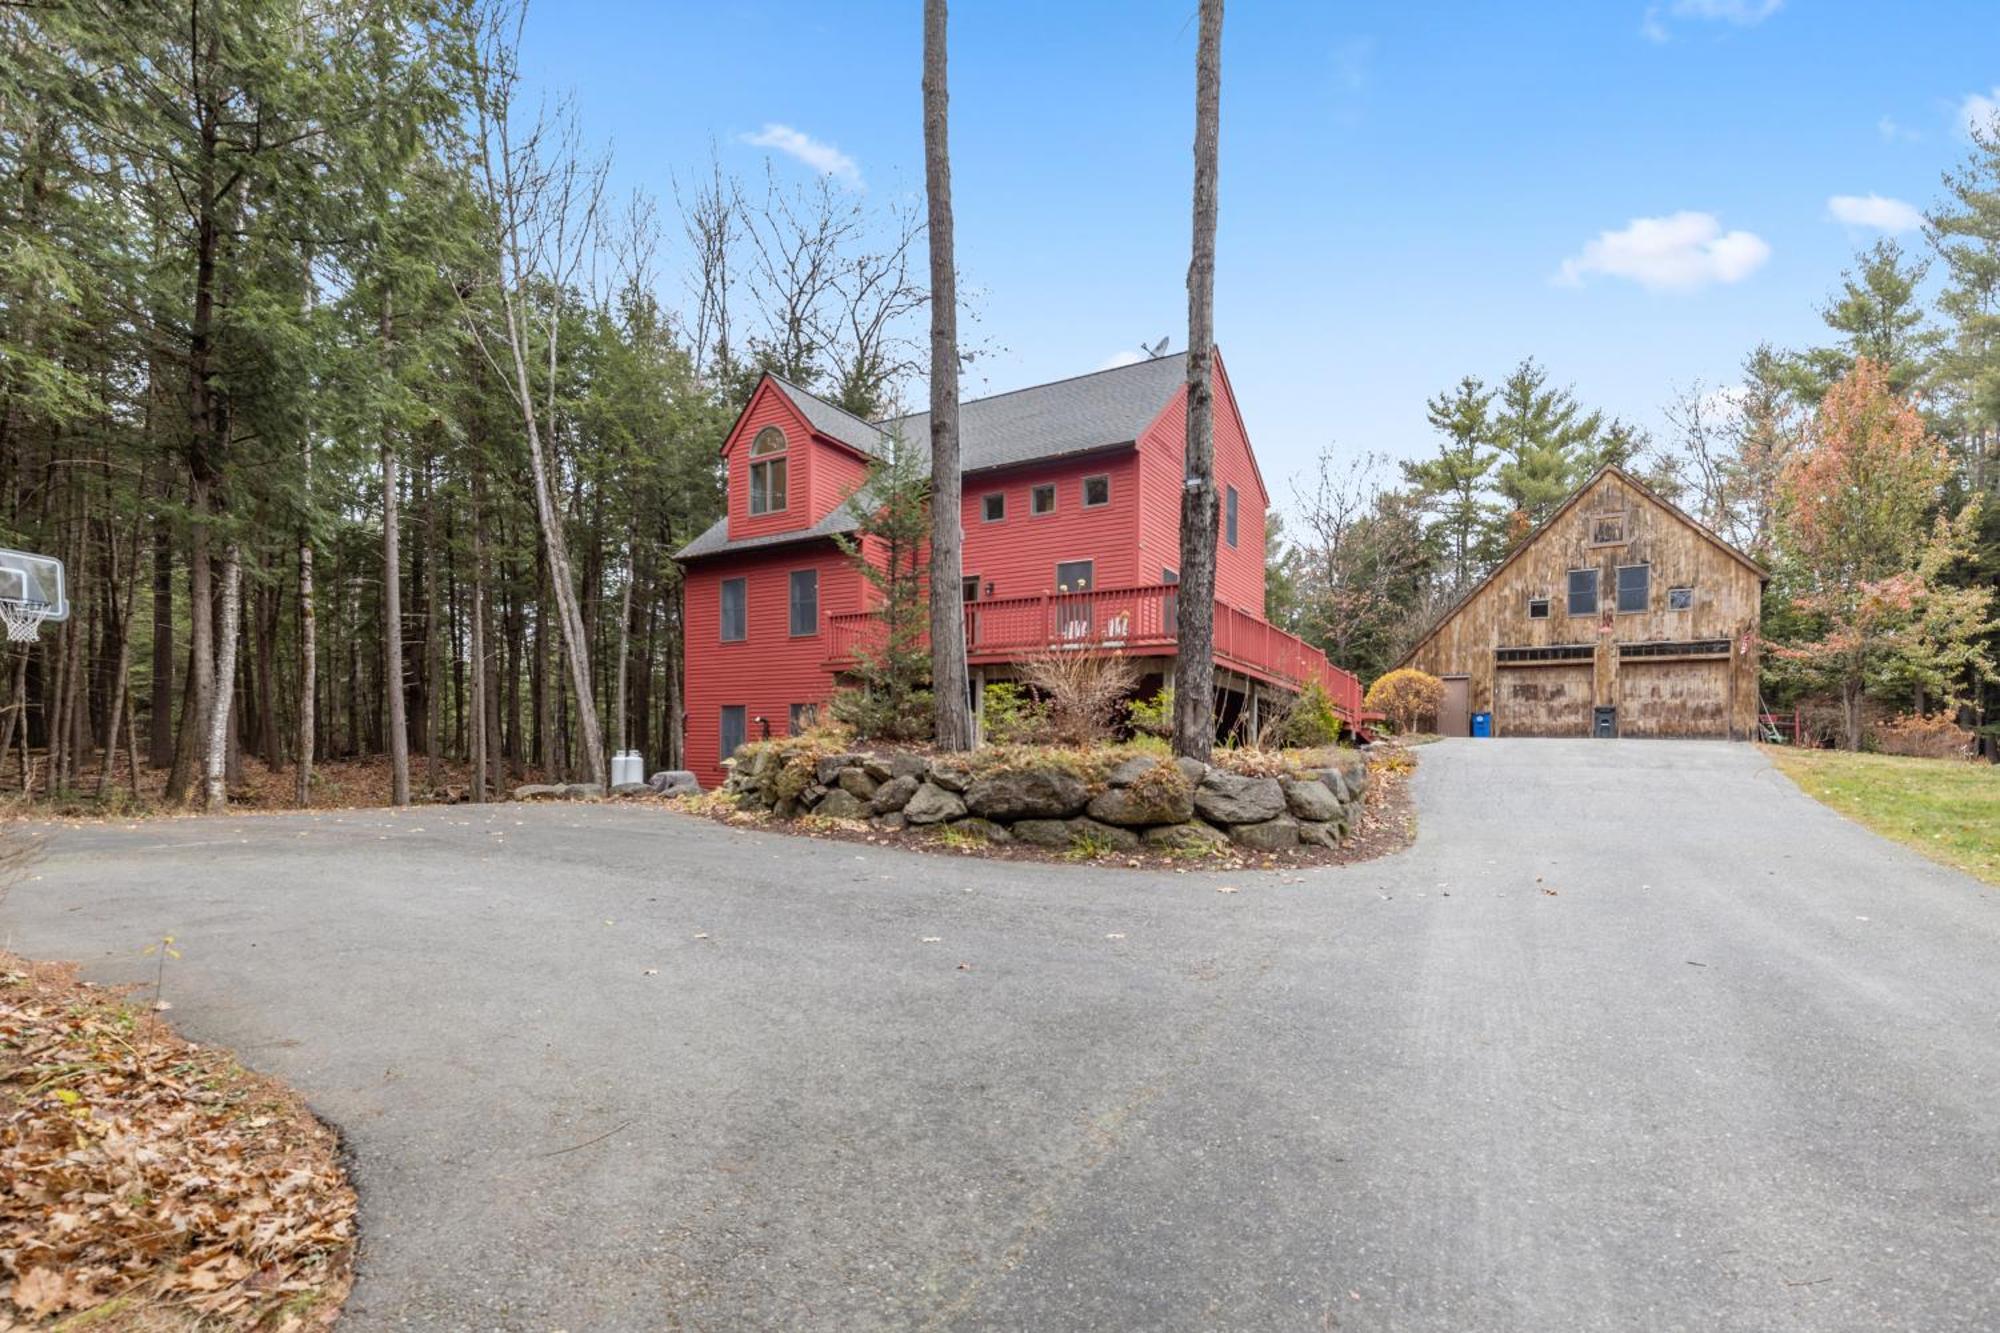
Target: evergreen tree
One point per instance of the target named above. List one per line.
(1878, 315)
(890, 547)
(1548, 445)
(1452, 487)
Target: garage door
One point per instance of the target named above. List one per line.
(1673, 698)
(1542, 700)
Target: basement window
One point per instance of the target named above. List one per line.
(1680, 599)
(804, 718)
(1538, 608)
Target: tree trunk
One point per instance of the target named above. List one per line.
(1194, 664)
(622, 711)
(392, 626)
(216, 768)
(308, 661)
(119, 692)
(951, 713)
(160, 725)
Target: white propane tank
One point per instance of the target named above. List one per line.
(627, 766)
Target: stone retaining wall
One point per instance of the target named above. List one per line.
(1116, 804)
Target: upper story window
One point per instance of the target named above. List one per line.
(1042, 500)
(1538, 608)
(805, 602)
(1607, 529)
(1096, 492)
(735, 610)
(1229, 517)
(767, 471)
(1583, 592)
(993, 508)
(1635, 587)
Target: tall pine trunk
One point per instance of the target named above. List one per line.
(215, 771)
(951, 713)
(1194, 664)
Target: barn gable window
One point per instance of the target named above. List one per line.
(1538, 608)
(1607, 529)
(1635, 588)
(1680, 599)
(1583, 592)
(767, 471)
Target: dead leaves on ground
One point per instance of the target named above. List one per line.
(151, 1180)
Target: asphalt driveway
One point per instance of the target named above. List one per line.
(1636, 1037)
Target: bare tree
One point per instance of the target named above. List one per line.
(544, 198)
(713, 222)
(1194, 666)
(950, 708)
(797, 240)
(871, 345)
(1366, 572)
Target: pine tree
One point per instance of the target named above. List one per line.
(1548, 444)
(1879, 315)
(889, 547)
(1453, 486)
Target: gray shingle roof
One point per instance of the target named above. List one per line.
(1032, 425)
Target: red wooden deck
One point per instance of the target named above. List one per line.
(1132, 622)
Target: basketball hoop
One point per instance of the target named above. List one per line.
(23, 620)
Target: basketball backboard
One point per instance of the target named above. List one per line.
(31, 591)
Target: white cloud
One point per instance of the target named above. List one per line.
(821, 157)
(1741, 13)
(1679, 252)
(1894, 131)
(1980, 111)
(1873, 210)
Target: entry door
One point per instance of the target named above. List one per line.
(1455, 713)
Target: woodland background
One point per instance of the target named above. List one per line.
(303, 298)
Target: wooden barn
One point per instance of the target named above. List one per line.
(1619, 616)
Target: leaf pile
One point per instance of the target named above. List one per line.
(153, 1182)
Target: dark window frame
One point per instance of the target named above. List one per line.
(792, 603)
(986, 514)
(1089, 503)
(1570, 592)
(1618, 591)
(742, 712)
(1231, 504)
(742, 634)
(1035, 494)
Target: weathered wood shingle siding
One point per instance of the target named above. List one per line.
(1678, 695)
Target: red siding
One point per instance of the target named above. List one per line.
(819, 474)
(769, 670)
(1239, 570)
(1018, 555)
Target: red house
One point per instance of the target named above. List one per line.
(1072, 534)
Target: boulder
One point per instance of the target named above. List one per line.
(1063, 834)
(952, 772)
(1225, 798)
(812, 795)
(829, 768)
(631, 789)
(558, 791)
(1333, 782)
(841, 804)
(1354, 772)
(857, 783)
(890, 823)
(1269, 835)
(675, 782)
(1193, 836)
(1307, 799)
(894, 794)
(932, 804)
(877, 769)
(984, 828)
(1027, 793)
(1314, 833)
(1191, 769)
(1131, 770)
(905, 765)
(1160, 799)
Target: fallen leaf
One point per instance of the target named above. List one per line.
(1116, 935)
(931, 939)
(1225, 888)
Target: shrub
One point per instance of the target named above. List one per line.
(1013, 717)
(1308, 722)
(1937, 736)
(885, 715)
(1081, 692)
(1406, 696)
(1154, 716)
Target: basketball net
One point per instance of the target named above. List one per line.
(23, 621)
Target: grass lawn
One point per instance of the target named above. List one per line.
(1946, 809)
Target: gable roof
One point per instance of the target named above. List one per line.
(1609, 469)
(1042, 423)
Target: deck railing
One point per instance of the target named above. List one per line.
(1138, 622)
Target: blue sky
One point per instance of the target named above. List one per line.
(1410, 192)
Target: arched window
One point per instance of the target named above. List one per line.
(767, 471)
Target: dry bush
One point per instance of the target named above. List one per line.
(1406, 696)
(1081, 692)
(1937, 736)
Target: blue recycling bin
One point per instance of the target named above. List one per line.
(1482, 724)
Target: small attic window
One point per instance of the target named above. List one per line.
(767, 471)
(1607, 530)
(1538, 608)
(1680, 599)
